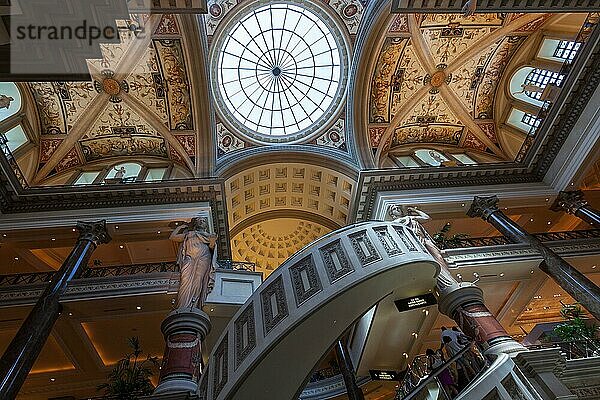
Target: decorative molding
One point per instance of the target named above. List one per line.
(494, 6)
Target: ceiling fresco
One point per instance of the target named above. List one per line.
(436, 80)
(139, 104)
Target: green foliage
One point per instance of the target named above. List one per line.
(442, 240)
(130, 378)
(576, 326)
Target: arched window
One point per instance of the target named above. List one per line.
(431, 157)
(125, 172)
(10, 100)
(538, 79)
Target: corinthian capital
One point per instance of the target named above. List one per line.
(569, 201)
(93, 231)
(483, 207)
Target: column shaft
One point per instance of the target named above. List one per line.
(573, 202)
(574, 282)
(589, 215)
(23, 350)
(347, 370)
(582, 289)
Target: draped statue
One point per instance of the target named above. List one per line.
(412, 218)
(197, 260)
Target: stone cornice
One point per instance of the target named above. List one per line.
(15, 199)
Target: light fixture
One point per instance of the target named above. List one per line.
(531, 272)
(74, 230)
(53, 239)
(16, 258)
(70, 314)
(4, 234)
(212, 309)
(415, 334)
(158, 232)
(501, 274)
(593, 267)
(547, 199)
(176, 223)
(537, 297)
(52, 379)
(462, 205)
(549, 222)
(546, 307)
(138, 308)
(121, 246)
(530, 219)
(556, 295)
(405, 355)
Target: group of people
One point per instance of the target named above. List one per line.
(458, 374)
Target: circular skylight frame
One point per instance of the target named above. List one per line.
(327, 116)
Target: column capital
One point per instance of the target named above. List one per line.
(94, 231)
(483, 206)
(569, 201)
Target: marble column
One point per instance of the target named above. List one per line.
(574, 203)
(347, 370)
(463, 302)
(17, 360)
(184, 331)
(582, 289)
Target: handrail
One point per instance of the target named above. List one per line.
(542, 236)
(423, 383)
(119, 270)
(573, 349)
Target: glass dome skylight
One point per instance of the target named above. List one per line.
(280, 71)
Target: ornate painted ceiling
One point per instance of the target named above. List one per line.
(138, 105)
(437, 78)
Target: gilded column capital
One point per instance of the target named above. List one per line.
(569, 201)
(94, 231)
(483, 206)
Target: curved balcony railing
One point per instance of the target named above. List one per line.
(502, 240)
(121, 270)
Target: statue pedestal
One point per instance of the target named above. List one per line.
(463, 302)
(184, 330)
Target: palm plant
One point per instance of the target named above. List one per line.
(443, 241)
(575, 326)
(130, 378)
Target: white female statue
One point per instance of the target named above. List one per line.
(197, 259)
(412, 218)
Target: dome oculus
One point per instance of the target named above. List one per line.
(280, 71)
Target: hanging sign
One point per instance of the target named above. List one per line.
(412, 303)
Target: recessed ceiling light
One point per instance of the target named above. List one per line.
(212, 309)
(121, 246)
(501, 274)
(405, 355)
(462, 205)
(116, 226)
(4, 234)
(547, 199)
(537, 297)
(531, 272)
(158, 232)
(176, 223)
(70, 314)
(53, 239)
(415, 334)
(506, 208)
(556, 295)
(530, 219)
(593, 267)
(74, 230)
(546, 307)
(52, 379)
(16, 258)
(138, 308)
